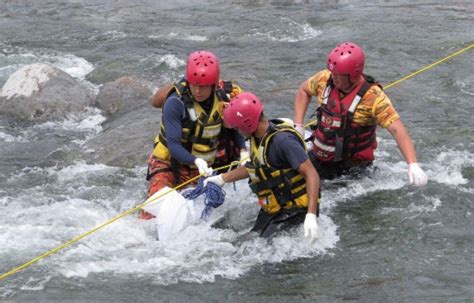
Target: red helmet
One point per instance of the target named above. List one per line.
(347, 59)
(202, 68)
(243, 112)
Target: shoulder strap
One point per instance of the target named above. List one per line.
(372, 80)
(183, 91)
(223, 90)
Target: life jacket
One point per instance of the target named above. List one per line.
(201, 130)
(275, 188)
(225, 90)
(336, 137)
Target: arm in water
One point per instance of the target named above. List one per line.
(416, 175)
(311, 228)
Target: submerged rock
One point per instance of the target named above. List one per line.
(42, 92)
(123, 95)
(127, 136)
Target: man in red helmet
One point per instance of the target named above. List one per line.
(192, 133)
(351, 105)
(281, 175)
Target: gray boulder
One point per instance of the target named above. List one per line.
(127, 136)
(42, 92)
(123, 95)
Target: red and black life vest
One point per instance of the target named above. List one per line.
(336, 137)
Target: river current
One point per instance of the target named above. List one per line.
(381, 239)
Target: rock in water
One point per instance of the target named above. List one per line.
(42, 92)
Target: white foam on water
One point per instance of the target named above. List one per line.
(9, 138)
(290, 31)
(432, 207)
(180, 36)
(171, 61)
(89, 122)
(113, 35)
(75, 66)
(447, 168)
(36, 284)
(37, 220)
(198, 254)
(462, 86)
(426, 205)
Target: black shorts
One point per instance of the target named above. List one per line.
(332, 170)
(267, 225)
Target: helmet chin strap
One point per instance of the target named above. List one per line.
(348, 90)
(353, 85)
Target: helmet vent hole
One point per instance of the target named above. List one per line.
(349, 52)
(195, 74)
(203, 75)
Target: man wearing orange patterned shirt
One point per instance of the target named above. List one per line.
(351, 105)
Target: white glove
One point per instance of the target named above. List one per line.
(216, 180)
(300, 128)
(244, 154)
(416, 175)
(311, 229)
(202, 167)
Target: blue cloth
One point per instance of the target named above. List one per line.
(214, 196)
(285, 150)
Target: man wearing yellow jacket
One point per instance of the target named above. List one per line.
(281, 175)
(192, 130)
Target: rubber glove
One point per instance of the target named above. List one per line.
(416, 175)
(202, 167)
(244, 154)
(311, 229)
(300, 128)
(216, 180)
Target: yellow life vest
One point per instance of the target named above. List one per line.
(275, 188)
(200, 130)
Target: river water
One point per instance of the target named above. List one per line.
(381, 239)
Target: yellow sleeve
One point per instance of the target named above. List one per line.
(317, 83)
(236, 89)
(383, 111)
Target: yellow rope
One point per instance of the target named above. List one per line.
(125, 213)
(429, 66)
(416, 73)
